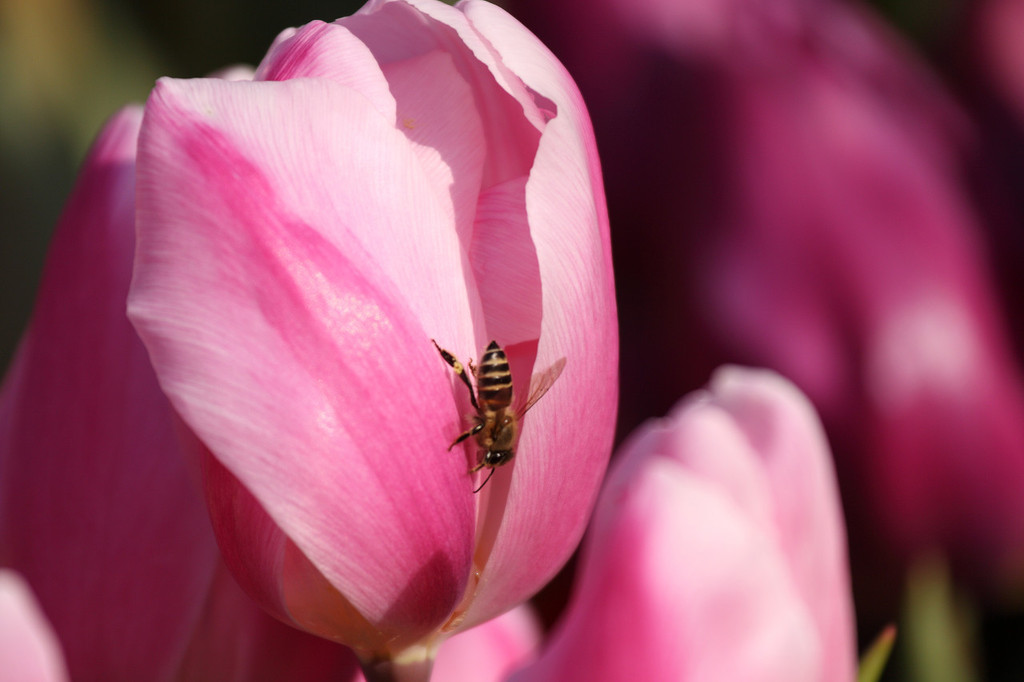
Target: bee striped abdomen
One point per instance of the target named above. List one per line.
(494, 379)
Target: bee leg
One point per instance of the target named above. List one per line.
(463, 436)
(461, 371)
(481, 487)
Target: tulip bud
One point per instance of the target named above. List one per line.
(717, 550)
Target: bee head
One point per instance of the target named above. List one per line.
(495, 458)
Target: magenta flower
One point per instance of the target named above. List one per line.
(796, 199)
(29, 650)
(414, 171)
(97, 508)
(717, 550)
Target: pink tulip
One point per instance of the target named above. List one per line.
(795, 199)
(29, 650)
(413, 172)
(97, 508)
(717, 551)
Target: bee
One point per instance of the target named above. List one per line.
(496, 422)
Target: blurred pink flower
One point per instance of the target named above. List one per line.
(97, 508)
(29, 650)
(795, 198)
(414, 171)
(717, 550)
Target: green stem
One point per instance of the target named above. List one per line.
(412, 665)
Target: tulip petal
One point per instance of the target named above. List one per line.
(257, 548)
(768, 416)
(97, 509)
(557, 463)
(476, 130)
(490, 652)
(269, 323)
(402, 35)
(717, 549)
(235, 641)
(274, 572)
(504, 261)
(331, 52)
(678, 585)
(439, 115)
(29, 649)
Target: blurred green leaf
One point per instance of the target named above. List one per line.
(872, 663)
(938, 630)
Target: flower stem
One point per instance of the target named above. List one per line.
(412, 665)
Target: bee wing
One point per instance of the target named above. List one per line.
(541, 382)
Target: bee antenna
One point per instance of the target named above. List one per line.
(485, 481)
